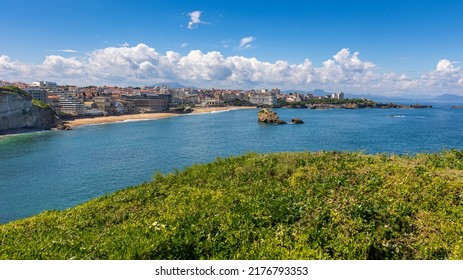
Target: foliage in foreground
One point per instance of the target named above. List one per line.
(325, 205)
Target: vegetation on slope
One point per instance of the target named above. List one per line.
(325, 205)
(325, 100)
(13, 90)
(40, 104)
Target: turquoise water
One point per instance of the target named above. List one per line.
(59, 169)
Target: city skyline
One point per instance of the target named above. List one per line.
(395, 48)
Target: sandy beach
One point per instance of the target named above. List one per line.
(146, 116)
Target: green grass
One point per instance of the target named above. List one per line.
(40, 104)
(324, 205)
(13, 90)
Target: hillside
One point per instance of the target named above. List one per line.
(448, 98)
(324, 205)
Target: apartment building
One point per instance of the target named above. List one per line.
(263, 98)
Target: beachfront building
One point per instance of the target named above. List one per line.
(230, 96)
(148, 103)
(71, 106)
(103, 103)
(119, 107)
(264, 98)
(213, 103)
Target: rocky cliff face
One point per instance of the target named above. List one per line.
(17, 111)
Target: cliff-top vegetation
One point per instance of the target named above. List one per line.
(13, 90)
(323, 205)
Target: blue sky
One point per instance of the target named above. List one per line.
(398, 47)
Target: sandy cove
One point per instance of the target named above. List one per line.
(147, 116)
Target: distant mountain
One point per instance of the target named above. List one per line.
(288, 91)
(172, 85)
(319, 92)
(379, 98)
(316, 92)
(448, 98)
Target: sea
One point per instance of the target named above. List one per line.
(55, 170)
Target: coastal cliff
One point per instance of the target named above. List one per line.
(18, 110)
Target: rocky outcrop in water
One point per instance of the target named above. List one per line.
(297, 121)
(418, 106)
(268, 116)
(17, 111)
(328, 106)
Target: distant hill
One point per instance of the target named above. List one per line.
(288, 91)
(316, 92)
(319, 92)
(448, 98)
(379, 98)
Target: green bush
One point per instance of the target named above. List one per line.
(324, 205)
(40, 104)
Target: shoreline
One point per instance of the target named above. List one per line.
(146, 116)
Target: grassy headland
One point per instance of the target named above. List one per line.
(324, 205)
(13, 90)
(352, 103)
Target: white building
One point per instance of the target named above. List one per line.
(119, 107)
(44, 84)
(71, 106)
(338, 95)
(264, 99)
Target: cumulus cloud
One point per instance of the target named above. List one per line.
(195, 19)
(246, 42)
(143, 65)
(445, 76)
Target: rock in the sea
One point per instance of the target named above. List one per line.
(418, 106)
(62, 126)
(296, 120)
(268, 116)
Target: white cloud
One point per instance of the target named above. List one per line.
(143, 65)
(246, 42)
(64, 51)
(447, 76)
(5, 61)
(69, 51)
(125, 45)
(184, 45)
(195, 19)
